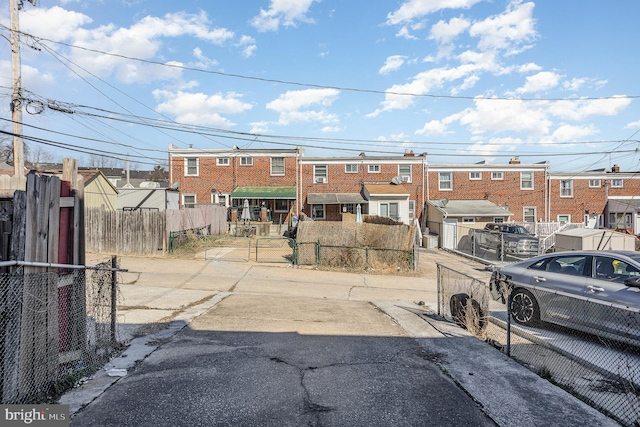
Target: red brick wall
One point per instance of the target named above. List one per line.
(499, 192)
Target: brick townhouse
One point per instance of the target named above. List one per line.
(323, 188)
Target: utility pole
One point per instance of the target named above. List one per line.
(16, 96)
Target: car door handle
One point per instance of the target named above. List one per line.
(595, 289)
(539, 279)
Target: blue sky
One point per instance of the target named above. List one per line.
(462, 80)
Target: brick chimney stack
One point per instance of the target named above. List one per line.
(409, 153)
(615, 169)
(514, 161)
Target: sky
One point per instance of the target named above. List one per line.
(464, 81)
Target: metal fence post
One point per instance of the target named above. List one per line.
(114, 297)
(508, 349)
(438, 287)
(256, 249)
(318, 252)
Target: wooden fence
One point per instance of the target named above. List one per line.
(145, 232)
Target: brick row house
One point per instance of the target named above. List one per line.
(400, 187)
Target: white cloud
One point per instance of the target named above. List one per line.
(331, 129)
(506, 30)
(248, 44)
(204, 62)
(493, 146)
(200, 108)
(527, 68)
(568, 133)
(434, 127)
(293, 106)
(574, 84)
(415, 9)
(633, 125)
(393, 63)
(142, 40)
(540, 82)
(446, 32)
(259, 127)
(282, 12)
(581, 109)
(506, 116)
(404, 33)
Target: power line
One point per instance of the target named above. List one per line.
(313, 85)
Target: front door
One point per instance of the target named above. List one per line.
(450, 234)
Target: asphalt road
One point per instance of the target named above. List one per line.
(256, 360)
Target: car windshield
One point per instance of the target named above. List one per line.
(514, 229)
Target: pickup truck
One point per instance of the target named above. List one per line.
(505, 239)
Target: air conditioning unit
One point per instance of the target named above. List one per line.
(321, 180)
(405, 179)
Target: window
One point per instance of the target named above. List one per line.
(353, 168)
(566, 188)
(497, 176)
(405, 172)
(222, 161)
(444, 181)
(317, 211)
(568, 264)
(189, 200)
(281, 205)
(564, 219)
(615, 270)
(246, 161)
(389, 210)
(277, 166)
(219, 198)
(191, 166)
(526, 180)
(374, 168)
(320, 174)
(529, 214)
(468, 219)
(475, 176)
(498, 220)
(617, 183)
(620, 220)
(412, 210)
(595, 183)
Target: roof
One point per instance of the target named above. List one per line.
(334, 198)
(386, 189)
(264, 193)
(454, 208)
(623, 205)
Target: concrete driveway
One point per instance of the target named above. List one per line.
(248, 344)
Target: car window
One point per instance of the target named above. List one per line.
(614, 270)
(572, 265)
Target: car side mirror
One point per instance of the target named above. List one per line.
(633, 282)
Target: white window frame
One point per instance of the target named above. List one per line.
(373, 168)
(351, 168)
(222, 161)
(322, 210)
(524, 213)
(498, 220)
(567, 216)
(246, 161)
(566, 188)
(617, 183)
(186, 166)
(449, 181)
(475, 176)
(407, 172)
(595, 183)
(272, 166)
(497, 176)
(469, 219)
(523, 180)
(388, 206)
(318, 174)
(412, 210)
(184, 202)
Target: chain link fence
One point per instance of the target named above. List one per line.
(598, 364)
(55, 328)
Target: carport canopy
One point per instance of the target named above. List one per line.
(334, 198)
(264, 193)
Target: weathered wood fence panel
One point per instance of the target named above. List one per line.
(146, 232)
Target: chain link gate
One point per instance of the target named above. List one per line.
(276, 249)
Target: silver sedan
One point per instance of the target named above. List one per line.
(593, 291)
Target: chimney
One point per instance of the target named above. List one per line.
(514, 161)
(615, 169)
(408, 153)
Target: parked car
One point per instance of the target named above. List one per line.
(505, 239)
(592, 291)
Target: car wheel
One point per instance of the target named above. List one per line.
(458, 305)
(524, 308)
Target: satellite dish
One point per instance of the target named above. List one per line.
(444, 201)
(397, 180)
